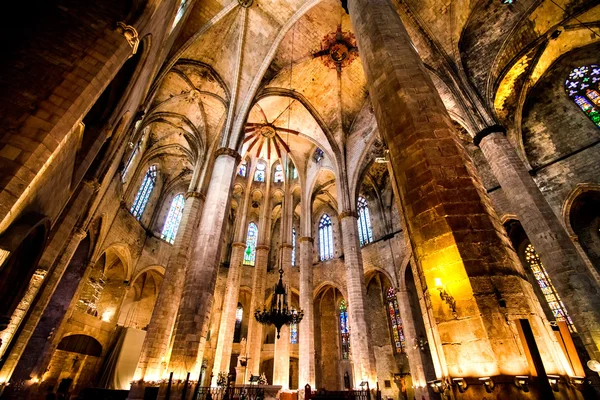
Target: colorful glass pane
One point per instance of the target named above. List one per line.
(173, 219)
(278, 177)
(325, 238)
(243, 169)
(180, 12)
(259, 174)
(143, 194)
(293, 246)
(251, 239)
(395, 320)
(294, 333)
(344, 330)
(582, 86)
(541, 276)
(319, 155)
(365, 231)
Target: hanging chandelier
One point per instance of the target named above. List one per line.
(279, 313)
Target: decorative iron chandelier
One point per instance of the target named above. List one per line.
(279, 313)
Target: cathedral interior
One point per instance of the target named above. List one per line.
(411, 186)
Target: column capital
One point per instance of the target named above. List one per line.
(486, 132)
(263, 247)
(238, 244)
(199, 195)
(306, 239)
(348, 213)
(92, 184)
(226, 151)
(79, 234)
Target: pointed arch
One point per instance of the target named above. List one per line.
(325, 238)
(365, 230)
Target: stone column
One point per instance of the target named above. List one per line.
(363, 356)
(151, 366)
(230, 302)
(281, 357)
(306, 340)
(568, 272)
(193, 315)
(457, 238)
(255, 330)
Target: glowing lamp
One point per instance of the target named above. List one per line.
(594, 365)
(438, 283)
(522, 382)
(460, 383)
(553, 380)
(488, 383)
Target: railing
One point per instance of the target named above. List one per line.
(322, 394)
(230, 393)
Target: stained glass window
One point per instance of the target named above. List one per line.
(344, 330)
(173, 219)
(243, 169)
(583, 86)
(319, 155)
(180, 12)
(278, 174)
(395, 320)
(294, 173)
(259, 174)
(294, 333)
(365, 233)
(250, 253)
(539, 272)
(293, 246)
(239, 315)
(325, 238)
(129, 162)
(143, 194)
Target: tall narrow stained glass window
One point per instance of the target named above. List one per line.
(294, 333)
(259, 174)
(365, 232)
(395, 320)
(325, 238)
(180, 12)
(293, 246)
(278, 176)
(583, 87)
(173, 219)
(243, 169)
(143, 194)
(251, 239)
(130, 162)
(541, 276)
(239, 315)
(344, 330)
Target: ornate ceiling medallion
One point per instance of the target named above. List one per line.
(338, 49)
(245, 3)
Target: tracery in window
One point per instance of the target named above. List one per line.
(143, 194)
(294, 333)
(395, 320)
(318, 155)
(251, 239)
(325, 238)
(365, 232)
(243, 169)
(278, 177)
(583, 86)
(293, 246)
(173, 219)
(541, 276)
(259, 174)
(239, 315)
(344, 330)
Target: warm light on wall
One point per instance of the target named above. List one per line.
(108, 314)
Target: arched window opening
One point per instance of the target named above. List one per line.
(325, 238)
(583, 86)
(239, 315)
(143, 194)
(180, 12)
(81, 344)
(395, 320)
(251, 239)
(173, 219)
(293, 246)
(344, 330)
(318, 155)
(259, 174)
(243, 169)
(294, 333)
(278, 174)
(541, 276)
(365, 232)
